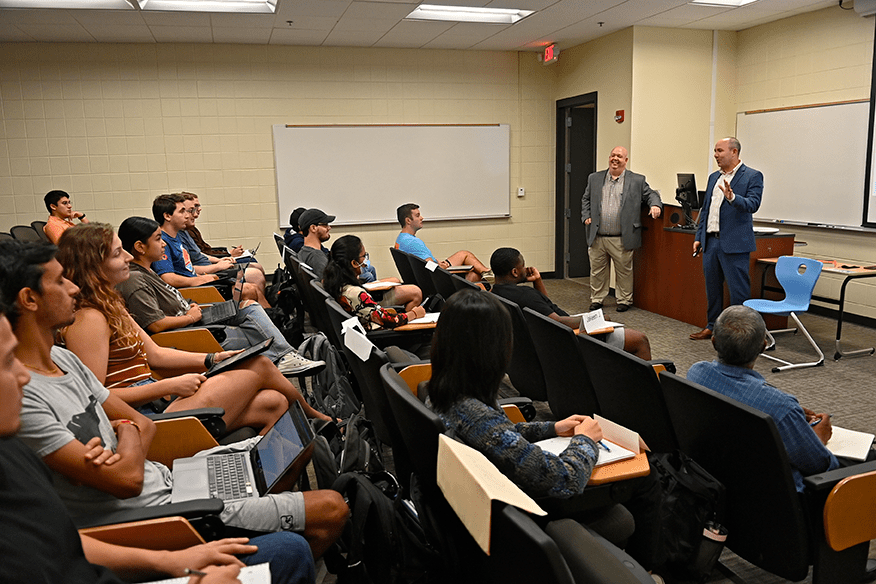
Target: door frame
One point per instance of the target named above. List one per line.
(561, 211)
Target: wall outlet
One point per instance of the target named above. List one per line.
(520, 191)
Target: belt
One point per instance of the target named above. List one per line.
(718, 235)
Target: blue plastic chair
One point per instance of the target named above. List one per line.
(798, 277)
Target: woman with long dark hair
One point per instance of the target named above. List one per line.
(341, 281)
(121, 354)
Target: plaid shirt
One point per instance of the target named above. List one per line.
(807, 454)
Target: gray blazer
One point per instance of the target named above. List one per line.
(636, 193)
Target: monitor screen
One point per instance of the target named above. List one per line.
(687, 191)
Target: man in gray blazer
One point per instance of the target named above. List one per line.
(611, 210)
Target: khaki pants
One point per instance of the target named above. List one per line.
(603, 251)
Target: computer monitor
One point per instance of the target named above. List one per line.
(687, 195)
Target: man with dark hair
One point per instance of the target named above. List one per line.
(67, 415)
(411, 221)
(195, 233)
(725, 233)
(315, 224)
(611, 209)
(739, 337)
(511, 273)
(61, 215)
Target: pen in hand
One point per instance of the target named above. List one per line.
(191, 572)
(602, 444)
(817, 420)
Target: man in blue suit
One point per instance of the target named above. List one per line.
(724, 233)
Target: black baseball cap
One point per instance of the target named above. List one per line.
(313, 217)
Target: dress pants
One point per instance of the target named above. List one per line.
(605, 250)
(718, 267)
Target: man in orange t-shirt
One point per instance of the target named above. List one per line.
(61, 215)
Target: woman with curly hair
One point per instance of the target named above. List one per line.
(121, 354)
(341, 281)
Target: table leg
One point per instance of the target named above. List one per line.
(839, 329)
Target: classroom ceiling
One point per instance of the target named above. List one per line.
(380, 23)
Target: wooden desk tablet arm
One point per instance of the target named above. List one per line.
(196, 340)
(211, 418)
(179, 438)
(202, 294)
(165, 533)
(201, 514)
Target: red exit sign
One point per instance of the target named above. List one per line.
(551, 54)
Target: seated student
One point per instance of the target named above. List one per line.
(195, 233)
(61, 215)
(176, 267)
(511, 272)
(411, 221)
(121, 355)
(157, 307)
(471, 349)
(315, 226)
(67, 414)
(739, 337)
(341, 281)
(40, 543)
(293, 237)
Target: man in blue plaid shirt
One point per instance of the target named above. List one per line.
(739, 337)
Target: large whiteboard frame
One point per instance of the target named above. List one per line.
(362, 173)
(813, 161)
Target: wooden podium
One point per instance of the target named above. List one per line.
(669, 280)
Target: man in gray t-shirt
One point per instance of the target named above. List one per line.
(316, 227)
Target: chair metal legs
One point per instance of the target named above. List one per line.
(787, 364)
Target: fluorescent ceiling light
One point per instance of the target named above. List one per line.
(72, 4)
(722, 3)
(468, 14)
(239, 6)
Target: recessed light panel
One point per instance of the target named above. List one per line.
(468, 14)
(722, 3)
(237, 6)
(71, 4)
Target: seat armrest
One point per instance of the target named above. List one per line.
(201, 294)
(179, 438)
(189, 509)
(824, 482)
(523, 404)
(211, 418)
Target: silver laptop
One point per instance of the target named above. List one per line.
(281, 454)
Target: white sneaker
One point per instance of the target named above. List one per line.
(657, 579)
(292, 364)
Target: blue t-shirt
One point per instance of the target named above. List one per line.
(413, 245)
(197, 256)
(176, 258)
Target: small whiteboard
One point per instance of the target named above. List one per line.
(812, 159)
(361, 174)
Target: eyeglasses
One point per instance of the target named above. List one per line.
(364, 260)
(322, 224)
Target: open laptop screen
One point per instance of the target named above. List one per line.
(282, 445)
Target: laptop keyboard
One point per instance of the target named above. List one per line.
(221, 311)
(228, 477)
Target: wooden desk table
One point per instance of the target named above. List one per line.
(668, 280)
(850, 274)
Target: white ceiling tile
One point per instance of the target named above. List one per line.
(350, 38)
(182, 34)
(251, 36)
(411, 33)
(53, 32)
(324, 23)
(288, 36)
(13, 16)
(380, 10)
(290, 9)
(120, 33)
(378, 26)
(108, 17)
(13, 34)
(183, 19)
(242, 20)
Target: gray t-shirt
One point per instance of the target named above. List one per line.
(315, 258)
(148, 298)
(57, 410)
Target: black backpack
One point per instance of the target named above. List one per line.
(287, 310)
(355, 450)
(330, 391)
(383, 542)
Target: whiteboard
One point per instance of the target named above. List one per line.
(361, 174)
(812, 159)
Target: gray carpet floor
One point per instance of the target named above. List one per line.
(843, 388)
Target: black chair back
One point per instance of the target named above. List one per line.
(422, 275)
(25, 233)
(320, 314)
(443, 282)
(38, 227)
(525, 368)
(4, 235)
(520, 550)
(281, 243)
(567, 382)
(460, 283)
(629, 392)
(403, 265)
(741, 447)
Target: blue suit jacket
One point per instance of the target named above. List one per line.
(737, 233)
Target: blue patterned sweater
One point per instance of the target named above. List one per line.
(510, 447)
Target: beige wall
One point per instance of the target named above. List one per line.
(819, 57)
(115, 125)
